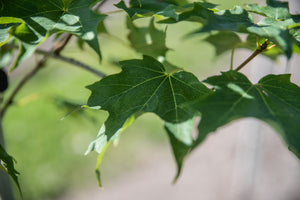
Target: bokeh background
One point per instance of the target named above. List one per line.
(243, 160)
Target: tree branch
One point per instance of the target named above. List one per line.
(72, 61)
(58, 49)
(78, 64)
(261, 48)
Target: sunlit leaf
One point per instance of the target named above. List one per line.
(42, 18)
(147, 8)
(101, 144)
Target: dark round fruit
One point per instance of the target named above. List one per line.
(3, 80)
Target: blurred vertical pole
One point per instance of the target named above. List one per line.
(6, 192)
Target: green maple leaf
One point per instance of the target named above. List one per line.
(147, 40)
(142, 86)
(274, 99)
(41, 18)
(7, 164)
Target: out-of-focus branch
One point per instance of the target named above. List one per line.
(65, 59)
(99, 5)
(57, 48)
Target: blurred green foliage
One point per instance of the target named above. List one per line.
(50, 151)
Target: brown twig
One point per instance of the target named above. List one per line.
(261, 48)
(58, 49)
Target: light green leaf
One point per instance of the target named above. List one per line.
(7, 164)
(6, 56)
(5, 24)
(147, 40)
(42, 18)
(274, 9)
(148, 8)
(101, 144)
(274, 99)
(181, 140)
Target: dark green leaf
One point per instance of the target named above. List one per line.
(181, 140)
(144, 86)
(147, 40)
(274, 99)
(7, 164)
(42, 18)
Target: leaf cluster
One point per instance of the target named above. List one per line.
(146, 85)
